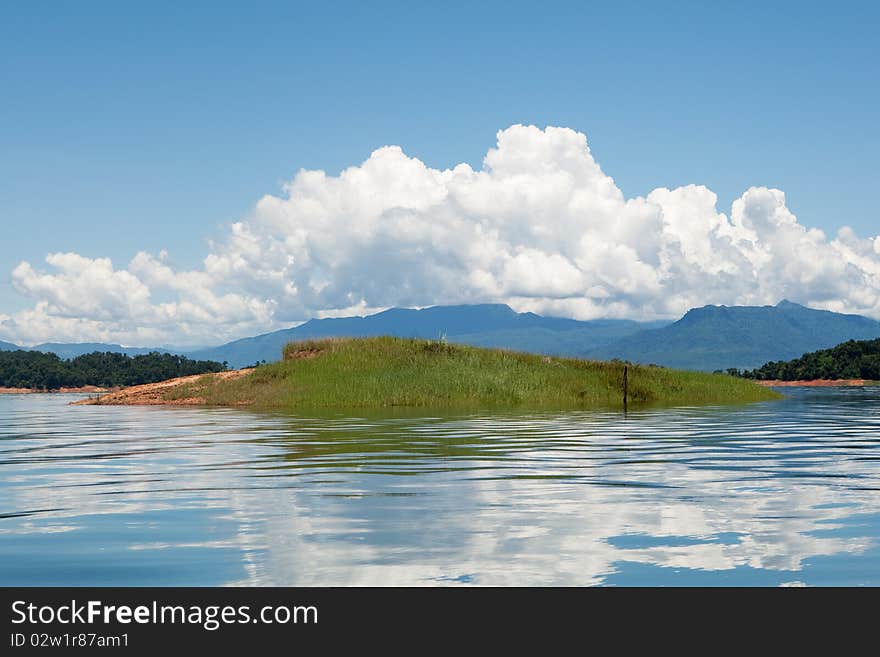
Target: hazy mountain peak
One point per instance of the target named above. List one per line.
(786, 304)
(699, 313)
(487, 325)
(720, 337)
(711, 310)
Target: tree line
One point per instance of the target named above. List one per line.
(37, 370)
(854, 359)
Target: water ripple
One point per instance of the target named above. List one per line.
(769, 493)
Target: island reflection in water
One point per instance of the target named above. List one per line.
(776, 493)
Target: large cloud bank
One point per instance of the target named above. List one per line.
(540, 226)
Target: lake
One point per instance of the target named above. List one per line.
(777, 493)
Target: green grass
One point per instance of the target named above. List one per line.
(396, 372)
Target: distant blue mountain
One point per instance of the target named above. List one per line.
(707, 338)
(488, 325)
(721, 337)
(74, 349)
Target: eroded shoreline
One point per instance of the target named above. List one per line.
(156, 394)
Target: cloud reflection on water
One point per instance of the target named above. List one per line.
(540, 499)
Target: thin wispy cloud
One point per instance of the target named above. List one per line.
(540, 226)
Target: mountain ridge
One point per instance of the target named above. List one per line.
(487, 325)
(68, 350)
(705, 338)
(744, 337)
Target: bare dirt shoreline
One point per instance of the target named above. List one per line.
(154, 394)
(817, 383)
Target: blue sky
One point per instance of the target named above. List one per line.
(153, 126)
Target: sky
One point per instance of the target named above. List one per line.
(159, 163)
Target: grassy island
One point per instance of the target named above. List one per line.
(385, 371)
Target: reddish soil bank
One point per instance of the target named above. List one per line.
(153, 394)
(816, 382)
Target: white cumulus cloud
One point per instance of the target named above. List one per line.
(540, 226)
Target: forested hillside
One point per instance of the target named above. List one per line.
(855, 359)
(43, 371)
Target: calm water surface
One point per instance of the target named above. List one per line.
(776, 493)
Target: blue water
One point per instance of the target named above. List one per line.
(779, 493)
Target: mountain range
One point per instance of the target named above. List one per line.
(74, 349)
(707, 338)
(487, 325)
(722, 337)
